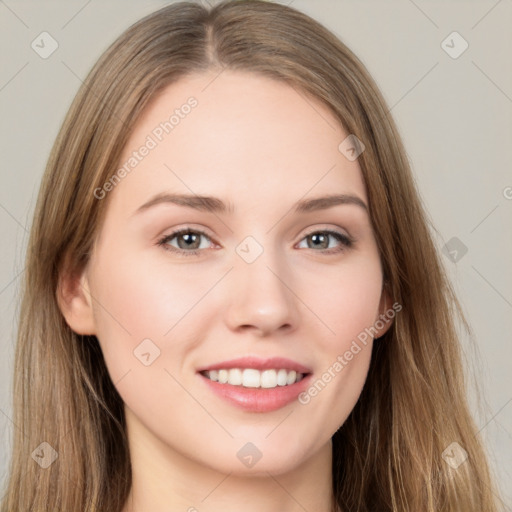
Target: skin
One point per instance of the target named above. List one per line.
(260, 145)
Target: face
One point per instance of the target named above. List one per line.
(231, 320)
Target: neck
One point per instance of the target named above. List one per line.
(164, 480)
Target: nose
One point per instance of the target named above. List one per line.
(261, 298)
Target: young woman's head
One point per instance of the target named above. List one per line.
(230, 272)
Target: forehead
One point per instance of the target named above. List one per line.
(238, 135)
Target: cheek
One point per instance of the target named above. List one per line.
(348, 302)
(135, 301)
(348, 309)
(145, 326)
(144, 298)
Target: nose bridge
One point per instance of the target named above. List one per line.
(260, 294)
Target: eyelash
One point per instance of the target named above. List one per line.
(346, 241)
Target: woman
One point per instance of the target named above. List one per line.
(252, 371)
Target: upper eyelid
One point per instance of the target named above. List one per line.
(316, 229)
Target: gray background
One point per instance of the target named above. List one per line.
(453, 113)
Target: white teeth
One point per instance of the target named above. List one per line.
(235, 377)
(223, 376)
(252, 378)
(269, 379)
(290, 379)
(281, 377)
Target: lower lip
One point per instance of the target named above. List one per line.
(258, 399)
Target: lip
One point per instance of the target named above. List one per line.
(258, 364)
(258, 399)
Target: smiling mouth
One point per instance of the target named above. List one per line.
(253, 378)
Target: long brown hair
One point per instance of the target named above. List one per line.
(388, 455)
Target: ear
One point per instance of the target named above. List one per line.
(386, 313)
(75, 301)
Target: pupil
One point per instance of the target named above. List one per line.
(189, 237)
(316, 237)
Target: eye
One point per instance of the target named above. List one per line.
(189, 241)
(320, 239)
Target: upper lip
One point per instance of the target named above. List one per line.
(258, 364)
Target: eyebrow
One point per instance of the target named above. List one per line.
(216, 205)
